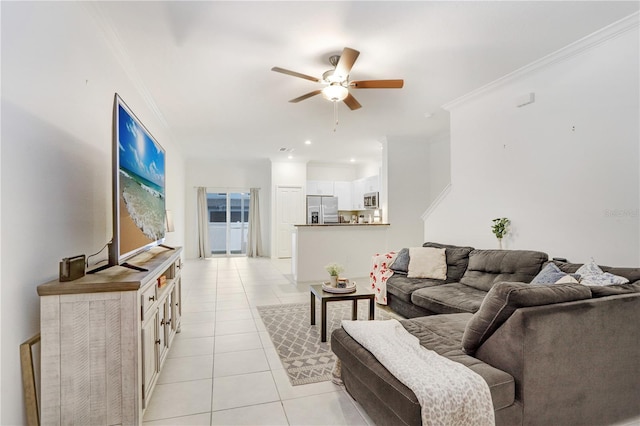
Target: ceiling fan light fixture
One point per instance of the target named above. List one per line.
(335, 92)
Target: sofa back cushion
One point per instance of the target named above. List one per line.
(505, 297)
(487, 267)
(457, 259)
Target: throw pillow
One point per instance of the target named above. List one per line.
(592, 275)
(551, 274)
(569, 279)
(401, 262)
(427, 262)
(504, 298)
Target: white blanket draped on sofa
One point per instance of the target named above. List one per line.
(449, 393)
(379, 275)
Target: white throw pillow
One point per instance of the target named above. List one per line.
(427, 262)
(567, 279)
(591, 274)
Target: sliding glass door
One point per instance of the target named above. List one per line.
(228, 222)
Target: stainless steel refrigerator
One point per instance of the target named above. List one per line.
(321, 210)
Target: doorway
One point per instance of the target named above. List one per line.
(228, 222)
(290, 208)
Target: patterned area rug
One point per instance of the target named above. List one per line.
(304, 357)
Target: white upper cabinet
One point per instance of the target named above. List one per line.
(372, 184)
(358, 194)
(342, 190)
(320, 187)
(350, 194)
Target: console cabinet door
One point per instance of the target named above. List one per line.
(149, 356)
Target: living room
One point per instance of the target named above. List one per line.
(563, 166)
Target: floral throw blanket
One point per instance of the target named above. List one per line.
(379, 275)
(449, 393)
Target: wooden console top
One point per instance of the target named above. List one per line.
(115, 278)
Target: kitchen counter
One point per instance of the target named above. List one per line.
(350, 244)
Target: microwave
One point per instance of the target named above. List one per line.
(371, 200)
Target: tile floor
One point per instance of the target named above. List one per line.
(223, 369)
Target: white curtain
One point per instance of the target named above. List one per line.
(203, 224)
(254, 241)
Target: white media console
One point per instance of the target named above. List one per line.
(104, 340)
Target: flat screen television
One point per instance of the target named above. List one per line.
(138, 187)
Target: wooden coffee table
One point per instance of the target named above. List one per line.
(325, 297)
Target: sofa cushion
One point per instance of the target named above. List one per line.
(400, 264)
(611, 290)
(457, 259)
(443, 335)
(487, 267)
(505, 297)
(448, 298)
(427, 262)
(403, 287)
(632, 274)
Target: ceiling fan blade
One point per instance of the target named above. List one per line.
(377, 84)
(351, 102)
(295, 74)
(347, 59)
(305, 96)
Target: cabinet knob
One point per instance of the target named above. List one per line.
(152, 298)
(158, 342)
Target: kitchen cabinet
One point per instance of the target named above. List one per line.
(372, 184)
(343, 190)
(350, 194)
(358, 194)
(320, 187)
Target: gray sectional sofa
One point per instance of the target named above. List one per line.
(562, 354)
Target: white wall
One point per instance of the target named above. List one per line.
(564, 169)
(232, 176)
(439, 165)
(58, 80)
(408, 189)
(333, 172)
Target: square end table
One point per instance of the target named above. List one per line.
(326, 297)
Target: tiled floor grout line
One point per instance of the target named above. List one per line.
(235, 277)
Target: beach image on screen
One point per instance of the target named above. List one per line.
(141, 187)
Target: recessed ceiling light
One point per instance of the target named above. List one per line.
(307, 142)
(353, 160)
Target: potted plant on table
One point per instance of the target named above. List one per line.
(500, 228)
(334, 270)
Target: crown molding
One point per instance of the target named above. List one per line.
(591, 41)
(110, 35)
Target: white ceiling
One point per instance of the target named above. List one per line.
(206, 66)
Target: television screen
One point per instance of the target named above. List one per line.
(139, 186)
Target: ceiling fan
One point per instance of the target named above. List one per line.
(337, 83)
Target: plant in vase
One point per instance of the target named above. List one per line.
(500, 228)
(334, 270)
